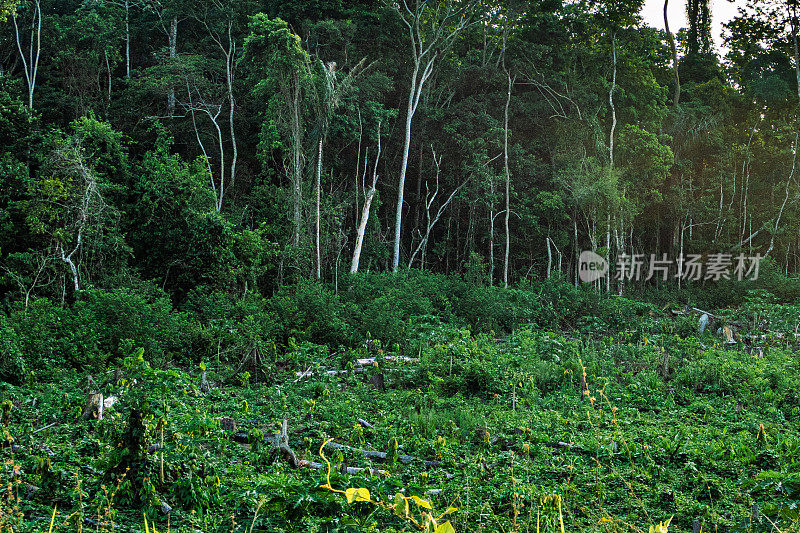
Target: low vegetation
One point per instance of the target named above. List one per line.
(495, 410)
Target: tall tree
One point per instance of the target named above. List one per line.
(30, 51)
(432, 26)
(279, 65)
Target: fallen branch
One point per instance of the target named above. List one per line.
(368, 361)
(48, 426)
(381, 456)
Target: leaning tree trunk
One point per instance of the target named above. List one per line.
(362, 225)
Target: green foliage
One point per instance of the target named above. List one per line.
(100, 329)
(12, 363)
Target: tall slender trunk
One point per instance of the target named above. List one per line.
(789, 181)
(793, 23)
(398, 219)
(611, 100)
(297, 161)
(229, 59)
(491, 233)
(673, 47)
(127, 40)
(30, 63)
(316, 223)
(173, 53)
(577, 250)
(508, 179)
(108, 73)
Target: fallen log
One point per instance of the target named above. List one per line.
(381, 456)
(350, 470)
(369, 361)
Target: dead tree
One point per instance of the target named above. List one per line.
(84, 208)
(197, 104)
(430, 198)
(369, 195)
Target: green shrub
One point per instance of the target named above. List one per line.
(12, 365)
(101, 327)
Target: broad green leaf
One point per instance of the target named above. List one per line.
(401, 507)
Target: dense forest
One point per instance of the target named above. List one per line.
(319, 265)
(241, 146)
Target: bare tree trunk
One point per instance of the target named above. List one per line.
(30, 64)
(793, 21)
(431, 222)
(297, 162)
(229, 59)
(508, 180)
(789, 181)
(429, 34)
(577, 250)
(398, 219)
(127, 40)
(67, 258)
(108, 72)
(362, 225)
(611, 100)
(173, 53)
(491, 233)
(318, 192)
(677, 97)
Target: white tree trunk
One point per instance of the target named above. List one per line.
(362, 225)
(297, 162)
(30, 64)
(429, 34)
(508, 180)
(398, 219)
(127, 40)
(789, 181)
(611, 100)
(173, 53)
(317, 204)
(229, 59)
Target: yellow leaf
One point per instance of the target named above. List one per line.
(422, 503)
(450, 510)
(357, 495)
(447, 527)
